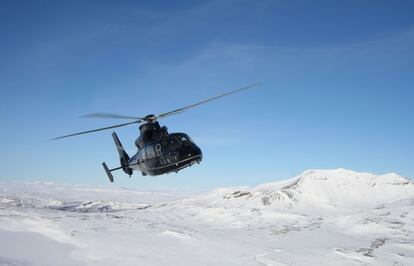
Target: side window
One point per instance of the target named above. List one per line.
(159, 154)
(149, 150)
(189, 139)
(185, 140)
(171, 144)
(158, 151)
(143, 154)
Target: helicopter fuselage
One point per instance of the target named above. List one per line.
(160, 152)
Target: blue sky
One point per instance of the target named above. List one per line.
(337, 86)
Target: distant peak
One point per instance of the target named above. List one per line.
(333, 173)
(329, 171)
(346, 173)
(340, 187)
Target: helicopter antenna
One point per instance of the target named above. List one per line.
(152, 118)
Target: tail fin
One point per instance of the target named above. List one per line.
(123, 156)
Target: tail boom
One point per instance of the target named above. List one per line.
(123, 156)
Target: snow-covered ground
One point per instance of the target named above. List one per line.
(321, 217)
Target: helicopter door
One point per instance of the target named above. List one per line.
(143, 156)
(171, 147)
(159, 154)
(151, 159)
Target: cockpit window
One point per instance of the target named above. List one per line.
(172, 143)
(184, 138)
(149, 150)
(190, 139)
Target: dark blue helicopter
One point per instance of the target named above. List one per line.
(159, 152)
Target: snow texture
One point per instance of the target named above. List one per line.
(321, 217)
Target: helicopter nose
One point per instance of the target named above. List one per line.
(193, 152)
(197, 154)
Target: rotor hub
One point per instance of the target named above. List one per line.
(151, 118)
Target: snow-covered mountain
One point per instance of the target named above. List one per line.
(330, 189)
(321, 217)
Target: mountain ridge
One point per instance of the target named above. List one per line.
(318, 188)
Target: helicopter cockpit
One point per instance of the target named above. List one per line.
(177, 140)
(178, 148)
(168, 153)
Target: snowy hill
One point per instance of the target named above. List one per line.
(338, 188)
(321, 217)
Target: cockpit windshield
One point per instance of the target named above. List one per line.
(172, 143)
(185, 140)
(177, 141)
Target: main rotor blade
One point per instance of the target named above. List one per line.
(110, 115)
(207, 100)
(99, 129)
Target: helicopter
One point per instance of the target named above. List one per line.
(158, 152)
